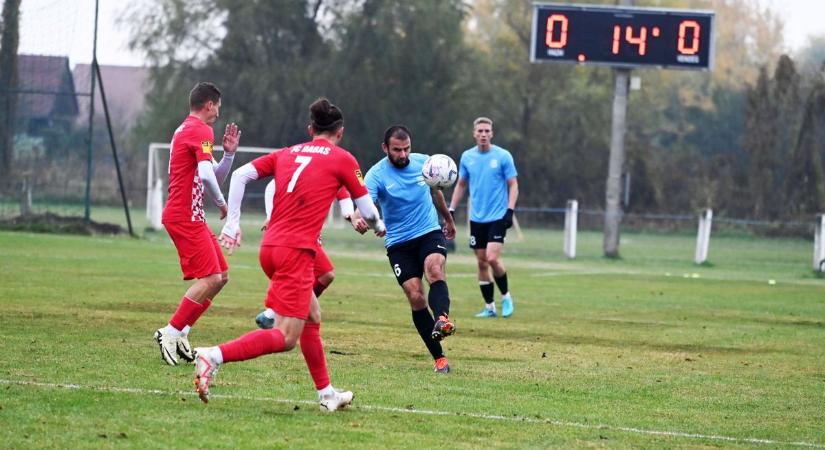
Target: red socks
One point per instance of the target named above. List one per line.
(187, 310)
(313, 349)
(203, 307)
(253, 344)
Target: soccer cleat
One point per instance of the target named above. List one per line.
(205, 371)
(443, 328)
(486, 313)
(264, 322)
(442, 365)
(168, 347)
(184, 349)
(338, 400)
(506, 306)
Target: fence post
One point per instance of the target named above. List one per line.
(703, 236)
(819, 245)
(571, 215)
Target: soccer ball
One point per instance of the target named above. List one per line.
(439, 171)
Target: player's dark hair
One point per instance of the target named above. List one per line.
(325, 117)
(202, 93)
(396, 131)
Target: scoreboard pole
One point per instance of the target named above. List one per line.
(613, 189)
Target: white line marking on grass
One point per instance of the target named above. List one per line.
(554, 422)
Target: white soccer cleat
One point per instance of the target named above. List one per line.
(337, 400)
(205, 370)
(168, 347)
(184, 349)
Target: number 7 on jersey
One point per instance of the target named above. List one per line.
(303, 162)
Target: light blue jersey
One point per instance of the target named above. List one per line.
(487, 173)
(405, 200)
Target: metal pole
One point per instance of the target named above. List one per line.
(88, 211)
(96, 68)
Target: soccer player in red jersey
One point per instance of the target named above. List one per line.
(323, 270)
(307, 177)
(191, 169)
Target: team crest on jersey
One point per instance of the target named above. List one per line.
(494, 163)
(206, 147)
(360, 177)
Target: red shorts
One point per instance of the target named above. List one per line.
(290, 279)
(198, 249)
(322, 263)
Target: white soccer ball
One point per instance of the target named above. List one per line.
(440, 171)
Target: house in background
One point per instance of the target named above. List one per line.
(46, 101)
(126, 88)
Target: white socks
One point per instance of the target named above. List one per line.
(213, 353)
(185, 330)
(326, 392)
(172, 331)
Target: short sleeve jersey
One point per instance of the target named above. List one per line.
(487, 173)
(307, 178)
(191, 144)
(405, 200)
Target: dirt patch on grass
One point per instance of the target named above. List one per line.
(53, 223)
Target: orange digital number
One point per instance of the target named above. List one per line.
(551, 25)
(694, 44)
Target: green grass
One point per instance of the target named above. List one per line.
(629, 353)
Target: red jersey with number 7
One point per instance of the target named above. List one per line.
(307, 178)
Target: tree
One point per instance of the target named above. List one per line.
(8, 83)
(404, 62)
(806, 194)
(772, 122)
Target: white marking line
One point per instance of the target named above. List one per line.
(558, 423)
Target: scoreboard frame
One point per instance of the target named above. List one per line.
(637, 21)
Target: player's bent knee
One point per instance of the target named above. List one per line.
(436, 274)
(417, 302)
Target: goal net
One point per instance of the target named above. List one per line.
(157, 184)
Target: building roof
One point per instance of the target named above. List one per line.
(47, 87)
(125, 86)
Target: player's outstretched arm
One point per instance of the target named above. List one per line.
(207, 176)
(231, 233)
(231, 139)
(441, 206)
(370, 214)
(458, 193)
(352, 216)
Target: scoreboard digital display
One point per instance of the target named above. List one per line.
(622, 36)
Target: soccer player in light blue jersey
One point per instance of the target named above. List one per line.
(415, 241)
(490, 173)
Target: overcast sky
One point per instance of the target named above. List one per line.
(64, 27)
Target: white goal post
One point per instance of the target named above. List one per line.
(157, 179)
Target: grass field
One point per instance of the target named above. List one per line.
(648, 351)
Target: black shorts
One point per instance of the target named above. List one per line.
(407, 258)
(482, 233)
